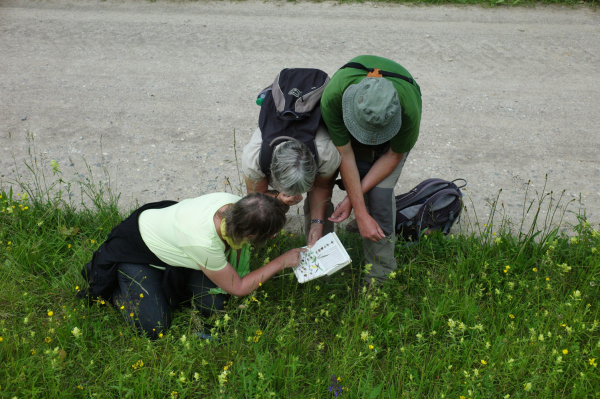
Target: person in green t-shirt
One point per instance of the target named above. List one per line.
(372, 109)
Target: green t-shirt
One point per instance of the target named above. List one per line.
(408, 94)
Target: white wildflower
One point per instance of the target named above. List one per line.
(76, 332)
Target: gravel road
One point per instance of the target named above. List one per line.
(154, 92)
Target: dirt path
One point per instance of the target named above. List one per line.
(509, 95)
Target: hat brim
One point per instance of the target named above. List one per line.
(365, 136)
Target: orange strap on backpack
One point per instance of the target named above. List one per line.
(375, 73)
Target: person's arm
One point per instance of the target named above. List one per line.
(231, 282)
(368, 227)
(381, 169)
(350, 177)
(254, 186)
(319, 198)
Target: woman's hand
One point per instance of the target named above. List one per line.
(291, 258)
(315, 233)
(289, 200)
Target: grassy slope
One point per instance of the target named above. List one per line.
(478, 316)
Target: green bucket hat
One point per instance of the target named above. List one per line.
(371, 111)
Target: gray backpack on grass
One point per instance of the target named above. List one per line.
(434, 204)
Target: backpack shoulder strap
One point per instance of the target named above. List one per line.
(374, 72)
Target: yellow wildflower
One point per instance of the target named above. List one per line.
(130, 314)
(47, 340)
(483, 362)
(511, 316)
(92, 241)
(593, 362)
(565, 351)
(371, 347)
(535, 269)
(141, 295)
(50, 313)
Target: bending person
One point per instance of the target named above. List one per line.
(291, 150)
(166, 253)
(372, 108)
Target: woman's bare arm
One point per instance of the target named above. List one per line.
(228, 279)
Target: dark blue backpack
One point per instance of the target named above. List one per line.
(291, 110)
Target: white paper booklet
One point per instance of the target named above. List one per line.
(326, 257)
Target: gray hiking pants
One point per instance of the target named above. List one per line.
(381, 204)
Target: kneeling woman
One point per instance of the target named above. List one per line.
(166, 253)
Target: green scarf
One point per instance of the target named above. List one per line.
(241, 266)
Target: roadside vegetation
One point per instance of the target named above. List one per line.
(493, 311)
(489, 3)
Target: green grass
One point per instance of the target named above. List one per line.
(483, 314)
(487, 3)
(491, 3)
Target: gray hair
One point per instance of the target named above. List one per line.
(293, 168)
